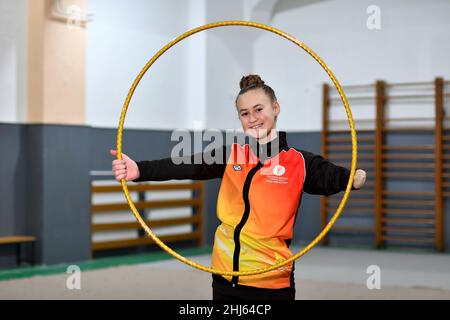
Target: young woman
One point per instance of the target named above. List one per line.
(262, 185)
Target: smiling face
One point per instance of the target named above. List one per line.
(257, 113)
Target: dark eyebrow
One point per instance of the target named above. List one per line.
(258, 105)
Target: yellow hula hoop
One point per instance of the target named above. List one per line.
(350, 120)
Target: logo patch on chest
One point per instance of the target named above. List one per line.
(277, 175)
(237, 167)
(279, 170)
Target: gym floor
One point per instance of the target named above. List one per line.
(324, 273)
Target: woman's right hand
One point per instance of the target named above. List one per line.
(124, 169)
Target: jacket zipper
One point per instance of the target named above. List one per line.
(238, 229)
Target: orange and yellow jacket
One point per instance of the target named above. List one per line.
(258, 201)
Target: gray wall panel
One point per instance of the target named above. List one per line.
(34, 169)
(66, 193)
(10, 144)
(12, 187)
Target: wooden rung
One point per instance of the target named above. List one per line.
(409, 193)
(357, 86)
(446, 194)
(409, 84)
(353, 229)
(347, 131)
(446, 156)
(408, 239)
(409, 129)
(348, 139)
(408, 230)
(364, 192)
(410, 147)
(16, 239)
(361, 192)
(409, 202)
(408, 119)
(408, 175)
(349, 148)
(151, 223)
(349, 156)
(368, 210)
(334, 121)
(446, 184)
(408, 211)
(364, 165)
(350, 215)
(367, 186)
(364, 98)
(148, 187)
(352, 201)
(408, 156)
(118, 244)
(414, 96)
(157, 204)
(409, 221)
(446, 138)
(418, 166)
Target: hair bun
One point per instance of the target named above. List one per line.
(250, 80)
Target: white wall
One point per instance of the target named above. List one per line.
(12, 60)
(197, 80)
(412, 45)
(121, 40)
(230, 55)
(194, 84)
(196, 68)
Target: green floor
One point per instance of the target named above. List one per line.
(101, 263)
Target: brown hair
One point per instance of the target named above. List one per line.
(253, 82)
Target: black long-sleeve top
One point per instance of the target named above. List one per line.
(322, 176)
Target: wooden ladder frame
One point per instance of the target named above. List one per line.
(429, 222)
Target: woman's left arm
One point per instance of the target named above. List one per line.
(326, 178)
